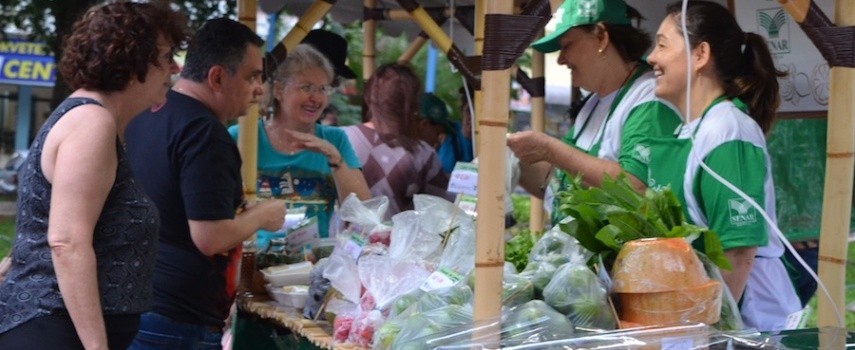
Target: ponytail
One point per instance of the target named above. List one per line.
(757, 85)
(743, 62)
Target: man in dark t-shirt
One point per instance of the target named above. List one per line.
(185, 160)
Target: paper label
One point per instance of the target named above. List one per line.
(464, 179)
(303, 235)
(354, 246)
(467, 203)
(794, 319)
(441, 278)
(293, 217)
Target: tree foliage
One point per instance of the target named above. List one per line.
(49, 21)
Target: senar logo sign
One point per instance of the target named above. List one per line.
(774, 23)
(741, 212)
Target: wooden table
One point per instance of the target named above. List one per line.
(315, 333)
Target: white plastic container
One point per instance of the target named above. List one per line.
(290, 296)
(287, 275)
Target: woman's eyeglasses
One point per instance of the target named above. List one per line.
(309, 89)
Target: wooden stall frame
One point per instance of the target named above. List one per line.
(840, 164)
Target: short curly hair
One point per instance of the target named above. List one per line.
(115, 42)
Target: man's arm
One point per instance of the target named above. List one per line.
(218, 236)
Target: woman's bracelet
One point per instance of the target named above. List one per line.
(334, 165)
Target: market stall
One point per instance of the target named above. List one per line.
(503, 36)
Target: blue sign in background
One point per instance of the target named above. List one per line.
(26, 63)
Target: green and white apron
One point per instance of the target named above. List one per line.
(769, 296)
(641, 91)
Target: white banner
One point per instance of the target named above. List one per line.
(805, 88)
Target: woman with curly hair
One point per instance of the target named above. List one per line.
(86, 234)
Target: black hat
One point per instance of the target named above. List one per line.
(334, 47)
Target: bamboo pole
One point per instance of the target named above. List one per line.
(248, 147)
(477, 98)
(796, 8)
(312, 15)
(428, 25)
(837, 194)
(538, 116)
(413, 49)
(489, 245)
(837, 197)
(369, 31)
(248, 131)
(400, 14)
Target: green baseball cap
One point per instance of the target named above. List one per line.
(434, 109)
(574, 13)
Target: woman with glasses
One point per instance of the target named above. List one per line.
(396, 163)
(306, 163)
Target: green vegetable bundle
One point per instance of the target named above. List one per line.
(606, 217)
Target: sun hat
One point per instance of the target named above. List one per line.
(334, 47)
(574, 13)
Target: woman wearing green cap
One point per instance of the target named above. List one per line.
(603, 51)
(731, 104)
(443, 134)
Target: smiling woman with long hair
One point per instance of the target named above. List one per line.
(732, 101)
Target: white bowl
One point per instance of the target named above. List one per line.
(291, 296)
(290, 274)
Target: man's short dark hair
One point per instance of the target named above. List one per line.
(220, 41)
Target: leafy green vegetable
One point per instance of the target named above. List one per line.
(518, 248)
(606, 217)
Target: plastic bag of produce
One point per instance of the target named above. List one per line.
(534, 322)
(731, 319)
(344, 277)
(386, 334)
(444, 215)
(367, 217)
(459, 252)
(318, 287)
(429, 324)
(555, 244)
(577, 292)
(420, 301)
(516, 289)
(530, 323)
(410, 242)
(387, 279)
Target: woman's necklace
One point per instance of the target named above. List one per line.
(277, 140)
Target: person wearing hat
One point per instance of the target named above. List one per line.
(334, 47)
(443, 134)
(604, 52)
(396, 162)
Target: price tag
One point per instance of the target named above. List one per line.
(303, 235)
(293, 217)
(441, 278)
(794, 320)
(467, 203)
(354, 246)
(464, 179)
